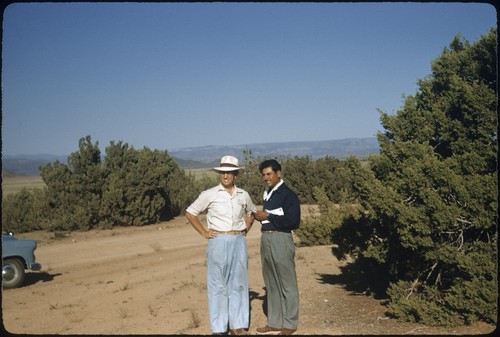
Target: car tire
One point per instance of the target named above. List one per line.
(12, 273)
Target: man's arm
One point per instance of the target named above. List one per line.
(291, 212)
(195, 222)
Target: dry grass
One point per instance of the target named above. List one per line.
(14, 184)
(200, 172)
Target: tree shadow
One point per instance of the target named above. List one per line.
(358, 279)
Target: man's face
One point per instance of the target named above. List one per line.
(270, 178)
(227, 178)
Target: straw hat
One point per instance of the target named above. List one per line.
(228, 164)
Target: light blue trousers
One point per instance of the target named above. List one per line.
(227, 283)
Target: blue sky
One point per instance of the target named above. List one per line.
(177, 75)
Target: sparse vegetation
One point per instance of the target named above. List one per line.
(419, 216)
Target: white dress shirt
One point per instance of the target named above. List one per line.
(225, 212)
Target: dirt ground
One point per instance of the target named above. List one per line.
(151, 280)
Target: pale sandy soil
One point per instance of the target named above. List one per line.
(151, 280)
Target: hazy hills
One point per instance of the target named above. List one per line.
(339, 148)
(209, 156)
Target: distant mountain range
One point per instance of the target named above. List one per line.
(209, 156)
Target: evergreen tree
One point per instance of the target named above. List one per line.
(431, 194)
(142, 186)
(131, 187)
(74, 190)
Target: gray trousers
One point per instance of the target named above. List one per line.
(277, 252)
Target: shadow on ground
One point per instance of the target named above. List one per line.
(35, 277)
(355, 279)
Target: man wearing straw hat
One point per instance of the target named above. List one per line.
(229, 218)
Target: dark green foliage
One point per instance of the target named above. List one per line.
(141, 186)
(74, 190)
(330, 176)
(431, 195)
(24, 211)
(297, 173)
(302, 174)
(131, 187)
(317, 229)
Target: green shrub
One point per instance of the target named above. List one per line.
(24, 211)
(431, 196)
(317, 229)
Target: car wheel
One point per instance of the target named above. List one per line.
(12, 273)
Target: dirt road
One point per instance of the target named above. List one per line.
(151, 280)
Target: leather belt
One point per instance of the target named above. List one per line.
(243, 232)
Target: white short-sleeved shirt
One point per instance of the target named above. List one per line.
(225, 212)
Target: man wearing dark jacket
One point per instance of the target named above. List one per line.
(280, 215)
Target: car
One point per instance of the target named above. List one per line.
(18, 255)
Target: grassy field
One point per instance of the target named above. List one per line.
(14, 184)
(198, 173)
